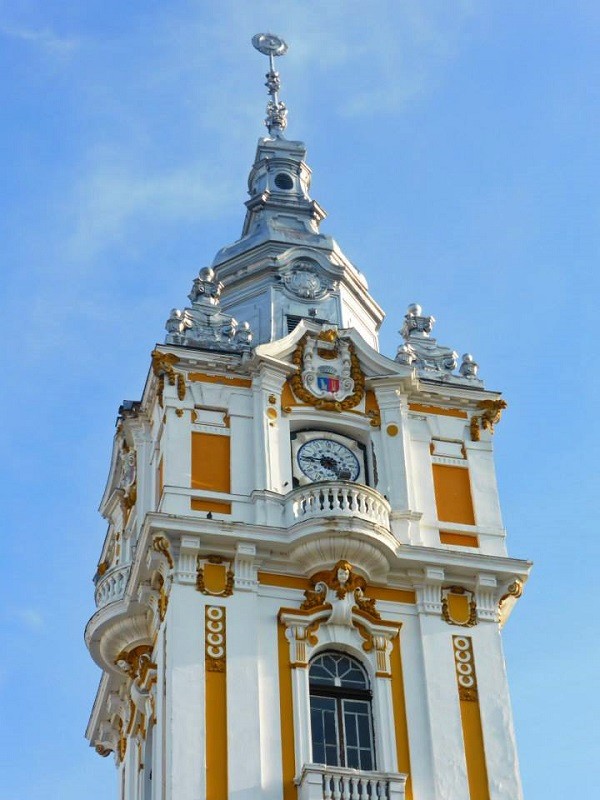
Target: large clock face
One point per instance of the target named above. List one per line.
(327, 460)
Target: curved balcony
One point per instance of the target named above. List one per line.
(318, 782)
(111, 585)
(337, 499)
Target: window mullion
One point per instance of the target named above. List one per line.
(342, 731)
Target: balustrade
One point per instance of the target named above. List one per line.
(319, 782)
(111, 585)
(337, 498)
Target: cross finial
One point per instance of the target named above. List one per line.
(272, 46)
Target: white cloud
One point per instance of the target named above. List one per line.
(28, 618)
(44, 38)
(113, 194)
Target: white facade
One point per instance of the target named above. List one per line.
(231, 564)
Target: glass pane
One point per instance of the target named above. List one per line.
(337, 669)
(358, 734)
(325, 739)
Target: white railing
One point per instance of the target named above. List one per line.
(318, 782)
(337, 499)
(111, 585)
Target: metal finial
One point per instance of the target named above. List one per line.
(272, 46)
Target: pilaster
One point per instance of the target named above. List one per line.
(445, 730)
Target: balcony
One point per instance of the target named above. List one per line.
(111, 585)
(318, 782)
(337, 499)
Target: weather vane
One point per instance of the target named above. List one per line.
(272, 46)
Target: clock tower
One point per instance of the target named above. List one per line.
(302, 588)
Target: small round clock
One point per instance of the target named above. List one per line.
(327, 460)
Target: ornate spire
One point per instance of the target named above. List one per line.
(270, 45)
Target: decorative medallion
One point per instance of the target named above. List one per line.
(329, 376)
(303, 281)
(214, 637)
(214, 576)
(459, 607)
(465, 668)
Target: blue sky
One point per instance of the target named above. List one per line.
(455, 147)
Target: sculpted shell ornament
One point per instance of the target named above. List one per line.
(329, 347)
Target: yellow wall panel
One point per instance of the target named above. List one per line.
(460, 539)
(443, 412)
(474, 751)
(207, 504)
(211, 462)
(216, 704)
(286, 712)
(453, 494)
(399, 703)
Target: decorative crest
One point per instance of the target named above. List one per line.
(270, 45)
(329, 376)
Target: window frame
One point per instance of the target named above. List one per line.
(340, 694)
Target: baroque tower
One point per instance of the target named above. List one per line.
(302, 588)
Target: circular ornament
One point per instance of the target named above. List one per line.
(304, 283)
(327, 460)
(269, 44)
(461, 643)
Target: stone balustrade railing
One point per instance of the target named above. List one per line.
(111, 585)
(318, 782)
(335, 499)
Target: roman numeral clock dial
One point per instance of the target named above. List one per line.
(327, 460)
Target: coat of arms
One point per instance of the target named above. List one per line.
(329, 372)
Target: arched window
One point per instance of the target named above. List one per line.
(340, 712)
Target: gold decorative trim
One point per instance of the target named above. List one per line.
(464, 664)
(215, 653)
(368, 638)
(161, 545)
(375, 419)
(343, 580)
(492, 412)
(307, 397)
(163, 597)
(460, 590)
(514, 590)
(122, 741)
(162, 364)
(136, 662)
